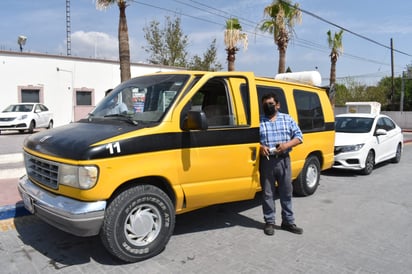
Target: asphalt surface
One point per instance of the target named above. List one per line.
(352, 224)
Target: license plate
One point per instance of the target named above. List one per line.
(28, 203)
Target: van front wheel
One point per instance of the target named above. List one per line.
(138, 223)
(308, 180)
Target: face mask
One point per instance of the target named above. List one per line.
(269, 109)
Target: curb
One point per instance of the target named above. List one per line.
(13, 211)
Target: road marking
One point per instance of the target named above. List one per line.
(12, 173)
(11, 158)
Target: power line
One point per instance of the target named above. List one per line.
(299, 42)
(347, 30)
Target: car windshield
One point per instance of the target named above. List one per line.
(142, 99)
(353, 124)
(19, 108)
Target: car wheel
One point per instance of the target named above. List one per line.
(398, 154)
(308, 180)
(369, 163)
(31, 126)
(138, 223)
(21, 130)
(50, 124)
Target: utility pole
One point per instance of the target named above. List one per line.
(68, 31)
(393, 76)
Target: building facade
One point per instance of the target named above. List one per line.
(68, 86)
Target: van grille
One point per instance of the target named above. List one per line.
(42, 171)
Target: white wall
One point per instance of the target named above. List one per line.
(40, 71)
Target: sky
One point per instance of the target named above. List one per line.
(369, 26)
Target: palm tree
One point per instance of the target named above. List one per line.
(123, 33)
(336, 46)
(280, 19)
(233, 36)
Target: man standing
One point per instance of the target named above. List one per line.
(278, 134)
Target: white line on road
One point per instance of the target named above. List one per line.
(12, 173)
(11, 158)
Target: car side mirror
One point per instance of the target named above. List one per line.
(381, 131)
(195, 120)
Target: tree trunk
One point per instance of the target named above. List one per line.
(231, 56)
(124, 51)
(282, 60)
(332, 79)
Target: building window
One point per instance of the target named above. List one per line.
(83, 98)
(30, 94)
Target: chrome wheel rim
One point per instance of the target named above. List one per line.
(143, 225)
(311, 176)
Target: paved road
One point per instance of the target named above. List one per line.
(353, 224)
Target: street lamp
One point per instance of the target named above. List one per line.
(21, 40)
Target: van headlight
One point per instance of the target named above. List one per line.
(83, 177)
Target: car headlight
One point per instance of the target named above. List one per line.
(22, 117)
(83, 177)
(349, 148)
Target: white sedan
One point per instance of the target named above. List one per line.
(25, 116)
(364, 140)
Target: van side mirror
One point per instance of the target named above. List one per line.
(195, 120)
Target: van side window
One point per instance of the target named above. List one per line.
(310, 113)
(214, 100)
(262, 90)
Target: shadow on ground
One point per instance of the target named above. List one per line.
(64, 250)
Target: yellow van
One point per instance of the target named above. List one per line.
(164, 144)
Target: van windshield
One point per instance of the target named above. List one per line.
(141, 99)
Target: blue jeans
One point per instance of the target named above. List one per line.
(272, 170)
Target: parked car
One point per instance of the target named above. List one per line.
(26, 116)
(364, 140)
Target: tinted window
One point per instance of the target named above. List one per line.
(310, 113)
(30, 95)
(262, 90)
(353, 124)
(386, 124)
(83, 98)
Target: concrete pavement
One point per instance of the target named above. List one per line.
(353, 224)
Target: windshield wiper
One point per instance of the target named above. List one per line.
(124, 118)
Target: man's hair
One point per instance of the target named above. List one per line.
(270, 95)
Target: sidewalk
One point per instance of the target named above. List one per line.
(11, 204)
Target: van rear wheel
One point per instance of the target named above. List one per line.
(138, 223)
(308, 180)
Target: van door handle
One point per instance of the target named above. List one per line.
(253, 153)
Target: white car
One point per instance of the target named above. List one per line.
(26, 116)
(364, 140)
